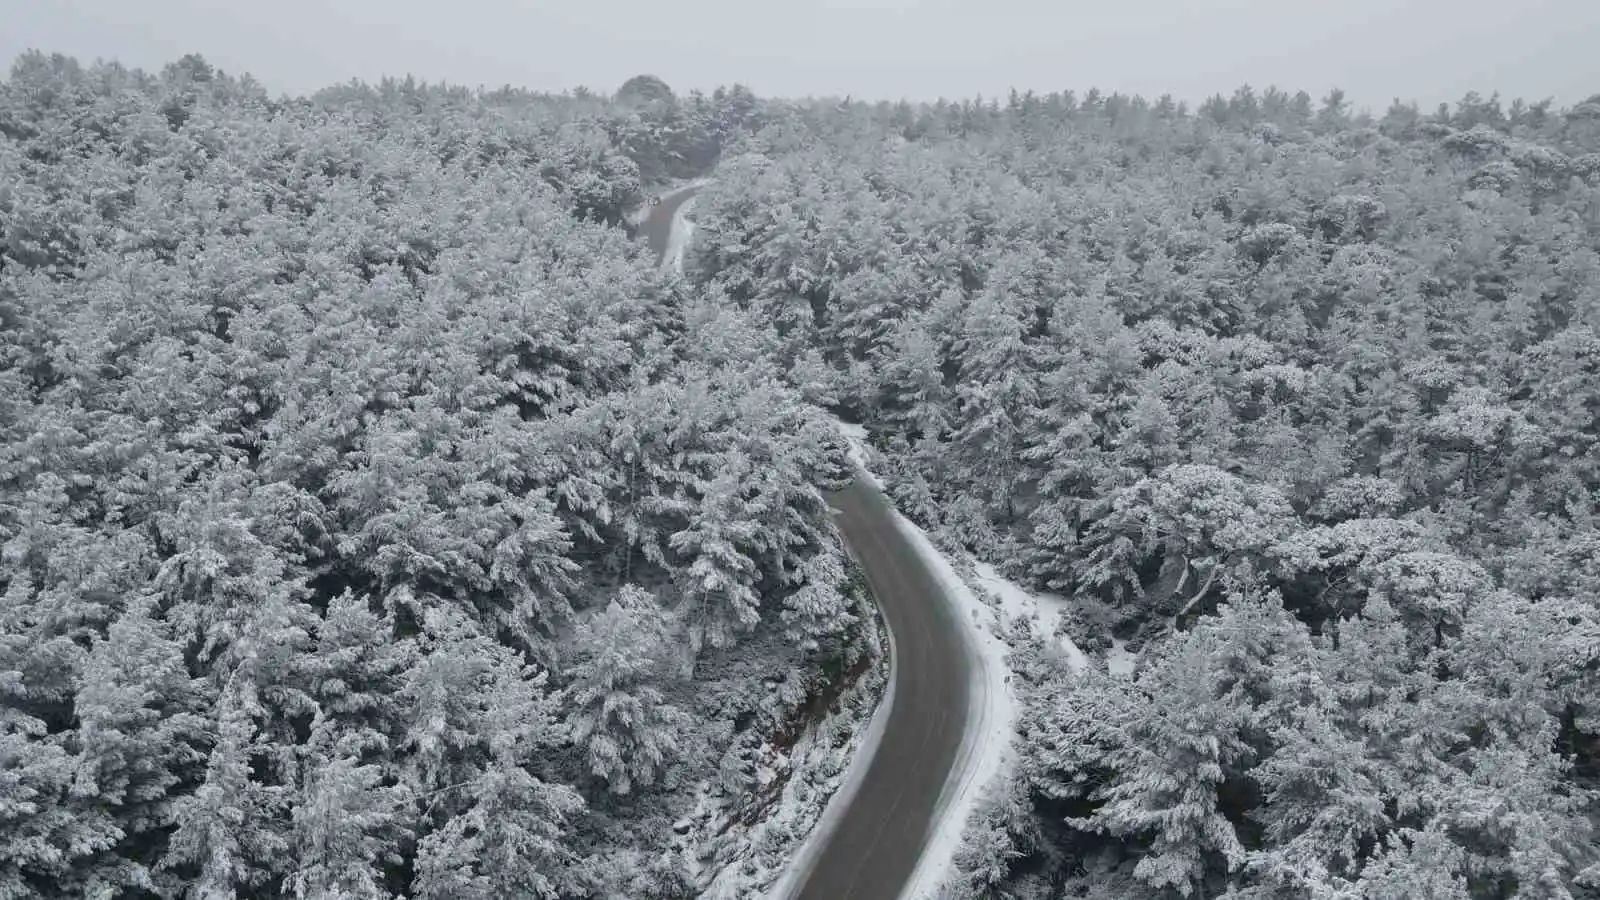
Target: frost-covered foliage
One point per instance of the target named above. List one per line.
(375, 520)
(1312, 398)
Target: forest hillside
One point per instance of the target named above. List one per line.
(1301, 402)
(377, 519)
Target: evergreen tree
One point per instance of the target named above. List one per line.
(629, 731)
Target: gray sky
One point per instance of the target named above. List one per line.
(1430, 50)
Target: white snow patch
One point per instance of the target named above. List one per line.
(678, 239)
(1118, 660)
(731, 862)
(1018, 604)
(857, 436)
(861, 453)
(985, 749)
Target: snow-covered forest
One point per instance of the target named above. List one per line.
(377, 518)
(374, 517)
(1303, 402)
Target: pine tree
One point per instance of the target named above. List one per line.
(347, 819)
(232, 832)
(141, 744)
(718, 574)
(629, 731)
(482, 719)
(1174, 756)
(353, 813)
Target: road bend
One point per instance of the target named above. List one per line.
(877, 842)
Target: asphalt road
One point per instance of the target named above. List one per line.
(877, 842)
(657, 225)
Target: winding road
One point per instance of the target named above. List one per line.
(877, 842)
(657, 226)
(872, 847)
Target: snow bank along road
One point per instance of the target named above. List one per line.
(659, 220)
(871, 849)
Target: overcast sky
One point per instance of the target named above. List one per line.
(1428, 51)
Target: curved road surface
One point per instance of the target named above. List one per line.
(876, 842)
(658, 224)
(875, 846)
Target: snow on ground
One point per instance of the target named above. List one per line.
(682, 228)
(986, 749)
(1118, 660)
(732, 861)
(1017, 604)
(842, 791)
(993, 608)
(825, 767)
(678, 243)
(1014, 604)
(861, 453)
(825, 775)
(638, 214)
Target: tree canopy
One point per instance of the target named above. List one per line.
(377, 519)
(360, 491)
(1306, 397)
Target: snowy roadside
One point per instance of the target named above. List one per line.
(682, 227)
(825, 766)
(860, 454)
(733, 860)
(842, 790)
(642, 212)
(984, 748)
(984, 757)
(994, 609)
(682, 230)
(820, 773)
